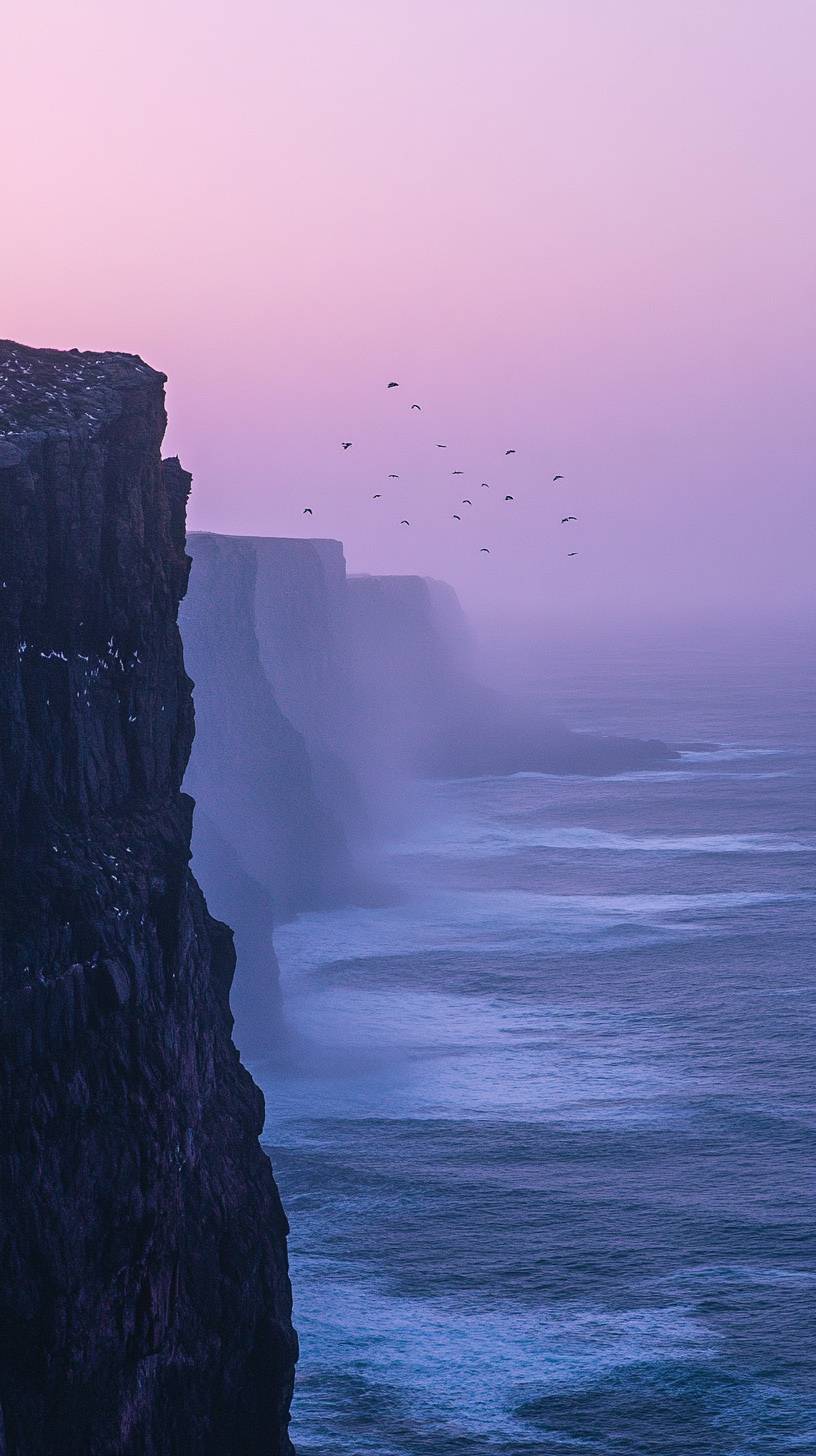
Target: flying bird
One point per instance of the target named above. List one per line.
(467, 502)
(457, 472)
(416, 406)
(307, 511)
(393, 477)
(572, 553)
(485, 485)
(392, 384)
(441, 447)
(346, 444)
(377, 496)
(457, 518)
(564, 519)
(509, 452)
(405, 523)
(558, 477)
(508, 497)
(486, 550)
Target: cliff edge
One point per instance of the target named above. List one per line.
(145, 1303)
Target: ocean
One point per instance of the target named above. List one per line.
(546, 1141)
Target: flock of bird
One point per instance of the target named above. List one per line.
(466, 501)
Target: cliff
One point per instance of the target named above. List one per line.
(410, 655)
(250, 767)
(145, 1303)
(264, 844)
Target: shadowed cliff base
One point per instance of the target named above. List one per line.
(145, 1305)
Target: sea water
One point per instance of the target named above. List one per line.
(547, 1144)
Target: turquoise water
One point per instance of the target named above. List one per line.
(547, 1144)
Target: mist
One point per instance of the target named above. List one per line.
(324, 702)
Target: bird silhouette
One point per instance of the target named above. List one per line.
(405, 523)
(509, 452)
(485, 485)
(307, 511)
(572, 553)
(564, 519)
(377, 496)
(346, 444)
(457, 472)
(508, 497)
(416, 406)
(392, 384)
(393, 477)
(467, 502)
(485, 549)
(441, 447)
(558, 477)
(457, 518)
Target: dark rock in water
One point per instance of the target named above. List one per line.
(145, 1303)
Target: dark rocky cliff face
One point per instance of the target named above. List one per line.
(145, 1304)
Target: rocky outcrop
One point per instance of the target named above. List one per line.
(145, 1303)
(434, 718)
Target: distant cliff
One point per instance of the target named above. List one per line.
(145, 1304)
(317, 696)
(408, 643)
(264, 844)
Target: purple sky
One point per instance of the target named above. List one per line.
(582, 228)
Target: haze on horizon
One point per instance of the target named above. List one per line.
(586, 231)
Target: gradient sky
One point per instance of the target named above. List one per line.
(583, 228)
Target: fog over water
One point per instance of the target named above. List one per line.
(545, 1130)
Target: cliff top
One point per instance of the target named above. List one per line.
(304, 543)
(52, 391)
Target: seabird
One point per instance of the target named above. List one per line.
(307, 511)
(392, 384)
(564, 519)
(346, 444)
(509, 452)
(467, 502)
(572, 553)
(485, 485)
(508, 497)
(393, 477)
(441, 447)
(405, 523)
(486, 550)
(416, 406)
(558, 477)
(377, 496)
(457, 472)
(457, 518)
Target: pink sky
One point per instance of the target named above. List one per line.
(583, 228)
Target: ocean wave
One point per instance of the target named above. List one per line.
(474, 1366)
(464, 840)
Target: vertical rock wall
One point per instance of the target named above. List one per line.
(145, 1303)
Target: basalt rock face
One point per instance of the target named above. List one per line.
(145, 1303)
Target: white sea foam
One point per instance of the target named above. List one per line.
(461, 839)
(470, 1353)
